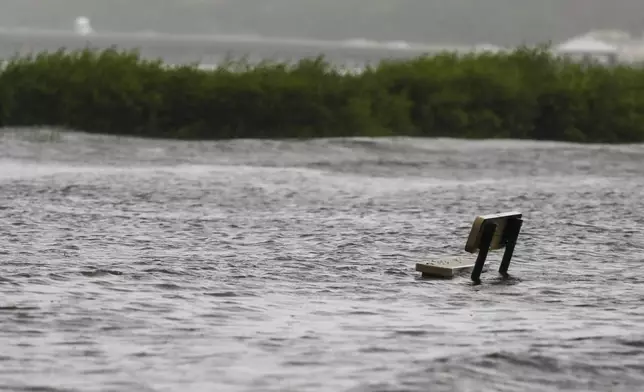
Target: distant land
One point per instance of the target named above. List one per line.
(457, 22)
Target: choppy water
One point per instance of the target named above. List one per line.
(212, 49)
(137, 265)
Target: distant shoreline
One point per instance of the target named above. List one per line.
(182, 49)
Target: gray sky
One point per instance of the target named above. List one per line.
(506, 22)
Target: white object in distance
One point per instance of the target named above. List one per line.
(82, 26)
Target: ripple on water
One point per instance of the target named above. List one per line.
(131, 264)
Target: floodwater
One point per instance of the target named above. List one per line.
(148, 265)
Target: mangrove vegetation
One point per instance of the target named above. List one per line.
(523, 94)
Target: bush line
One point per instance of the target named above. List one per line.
(524, 94)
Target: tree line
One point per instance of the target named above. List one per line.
(523, 94)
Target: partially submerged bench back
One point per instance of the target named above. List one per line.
(501, 233)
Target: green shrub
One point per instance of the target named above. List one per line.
(524, 94)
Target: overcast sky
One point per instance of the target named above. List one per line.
(506, 22)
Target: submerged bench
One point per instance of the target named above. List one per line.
(489, 232)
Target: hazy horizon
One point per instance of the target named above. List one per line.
(501, 22)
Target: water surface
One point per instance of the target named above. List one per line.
(130, 264)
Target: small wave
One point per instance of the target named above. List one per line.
(100, 272)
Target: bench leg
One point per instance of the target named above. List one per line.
(513, 228)
(484, 247)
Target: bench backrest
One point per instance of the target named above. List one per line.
(501, 235)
